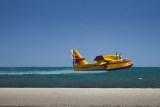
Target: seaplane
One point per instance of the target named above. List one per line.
(108, 62)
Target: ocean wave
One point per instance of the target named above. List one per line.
(47, 72)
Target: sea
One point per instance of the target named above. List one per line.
(66, 77)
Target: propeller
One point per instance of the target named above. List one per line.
(120, 55)
(116, 53)
(73, 57)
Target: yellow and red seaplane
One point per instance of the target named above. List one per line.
(108, 62)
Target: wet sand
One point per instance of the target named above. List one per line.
(79, 97)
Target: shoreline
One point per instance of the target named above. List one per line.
(79, 97)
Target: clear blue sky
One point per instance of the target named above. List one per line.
(41, 32)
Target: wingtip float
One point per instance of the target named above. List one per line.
(108, 62)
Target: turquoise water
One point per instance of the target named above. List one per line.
(137, 77)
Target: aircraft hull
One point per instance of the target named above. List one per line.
(107, 66)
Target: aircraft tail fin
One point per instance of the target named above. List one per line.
(78, 59)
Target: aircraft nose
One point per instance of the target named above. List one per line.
(131, 63)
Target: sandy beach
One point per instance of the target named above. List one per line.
(79, 97)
